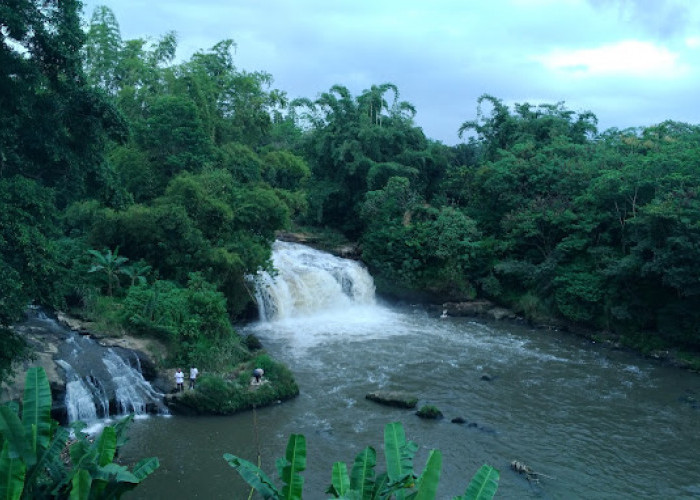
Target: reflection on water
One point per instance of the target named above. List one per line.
(601, 423)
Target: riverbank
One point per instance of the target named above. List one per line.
(219, 393)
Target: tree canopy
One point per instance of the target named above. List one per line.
(188, 168)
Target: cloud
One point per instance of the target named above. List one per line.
(626, 58)
(660, 18)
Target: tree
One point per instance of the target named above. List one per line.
(29, 254)
(54, 126)
(110, 265)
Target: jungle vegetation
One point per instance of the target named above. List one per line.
(139, 190)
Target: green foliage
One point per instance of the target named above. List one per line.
(12, 349)
(31, 463)
(221, 396)
(193, 321)
(54, 126)
(29, 254)
(483, 485)
(399, 481)
(418, 247)
(356, 145)
(109, 265)
(429, 411)
(290, 467)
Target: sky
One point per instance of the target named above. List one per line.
(631, 62)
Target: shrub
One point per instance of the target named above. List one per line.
(399, 480)
(429, 411)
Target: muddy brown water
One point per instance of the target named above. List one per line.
(599, 423)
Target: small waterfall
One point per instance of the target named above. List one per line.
(100, 382)
(132, 392)
(308, 281)
(79, 399)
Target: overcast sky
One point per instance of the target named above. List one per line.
(631, 62)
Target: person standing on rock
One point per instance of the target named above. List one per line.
(180, 380)
(193, 376)
(257, 374)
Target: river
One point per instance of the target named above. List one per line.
(598, 423)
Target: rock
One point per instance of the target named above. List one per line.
(393, 398)
(458, 420)
(484, 308)
(499, 313)
(429, 412)
(305, 238)
(349, 251)
(176, 405)
(471, 308)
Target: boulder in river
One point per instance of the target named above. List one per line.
(483, 308)
(393, 398)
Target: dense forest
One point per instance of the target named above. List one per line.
(142, 191)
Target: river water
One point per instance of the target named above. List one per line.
(596, 422)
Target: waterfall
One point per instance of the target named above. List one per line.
(104, 382)
(80, 403)
(101, 382)
(308, 281)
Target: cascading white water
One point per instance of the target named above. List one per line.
(100, 382)
(80, 403)
(132, 391)
(309, 281)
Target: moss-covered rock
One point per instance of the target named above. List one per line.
(429, 411)
(393, 398)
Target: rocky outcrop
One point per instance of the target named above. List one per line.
(483, 308)
(349, 250)
(393, 398)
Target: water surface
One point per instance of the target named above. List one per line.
(599, 423)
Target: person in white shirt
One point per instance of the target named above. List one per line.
(193, 376)
(179, 380)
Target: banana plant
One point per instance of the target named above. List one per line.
(288, 469)
(108, 265)
(30, 460)
(398, 482)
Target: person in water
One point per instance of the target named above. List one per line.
(193, 376)
(180, 380)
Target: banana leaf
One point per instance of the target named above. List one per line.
(296, 463)
(399, 457)
(255, 477)
(483, 485)
(145, 467)
(362, 474)
(12, 471)
(380, 486)
(106, 446)
(14, 436)
(50, 461)
(429, 480)
(81, 485)
(340, 481)
(36, 408)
